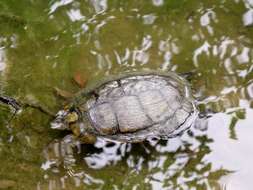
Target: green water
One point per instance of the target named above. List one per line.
(44, 44)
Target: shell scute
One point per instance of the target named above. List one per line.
(104, 119)
(154, 104)
(131, 117)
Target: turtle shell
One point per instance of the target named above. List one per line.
(134, 107)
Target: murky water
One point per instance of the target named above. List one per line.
(43, 44)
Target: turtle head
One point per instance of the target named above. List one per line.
(66, 118)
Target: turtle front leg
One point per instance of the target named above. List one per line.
(61, 152)
(83, 136)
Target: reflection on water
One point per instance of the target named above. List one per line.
(162, 165)
(2, 60)
(42, 46)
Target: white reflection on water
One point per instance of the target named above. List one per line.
(227, 152)
(244, 56)
(168, 48)
(59, 4)
(108, 155)
(157, 2)
(99, 5)
(206, 19)
(235, 155)
(75, 15)
(204, 48)
(248, 18)
(225, 43)
(2, 60)
(140, 54)
(149, 19)
(250, 90)
(238, 180)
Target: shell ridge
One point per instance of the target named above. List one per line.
(182, 124)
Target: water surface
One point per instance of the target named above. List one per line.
(44, 44)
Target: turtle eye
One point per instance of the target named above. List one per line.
(72, 109)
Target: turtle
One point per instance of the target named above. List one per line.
(130, 107)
